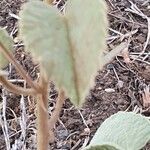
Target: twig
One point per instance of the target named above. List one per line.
(62, 124)
(4, 123)
(20, 142)
(14, 16)
(127, 20)
(134, 9)
(145, 2)
(146, 56)
(15, 89)
(71, 134)
(16, 80)
(57, 3)
(111, 4)
(116, 73)
(108, 57)
(23, 121)
(77, 143)
(55, 114)
(85, 142)
(137, 59)
(115, 31)
(83, 118)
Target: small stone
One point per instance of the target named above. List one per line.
(110, 66)
(109, 90)
(120, 84)
(99, 88)
(87, 131)
(16, 40)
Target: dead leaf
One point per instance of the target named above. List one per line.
(125, 55)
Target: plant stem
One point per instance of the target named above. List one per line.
(15, 89)
(56, 113)
(42, 117)
(18, 67)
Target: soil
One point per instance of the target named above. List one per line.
(118, 87)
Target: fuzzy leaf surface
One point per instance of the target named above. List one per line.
(44, 33)
(6, 42)
(123, 131)
(87, 29)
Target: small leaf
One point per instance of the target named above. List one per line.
(7, 43)
(124, 131)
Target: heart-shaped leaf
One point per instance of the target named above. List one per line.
(123, 131)
(6, 42)
(67, 57)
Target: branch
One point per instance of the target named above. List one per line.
(18, 67)
(42, 116)
(56, 113)
(108, 57)
(15, 89)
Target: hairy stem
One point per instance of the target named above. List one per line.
(56, 113)
(15, 89)
(18, 67)
(42, 117)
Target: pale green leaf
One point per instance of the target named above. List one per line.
(87, 28)
(102, 147)
(45, 34)
(124, 131)
(6, 42)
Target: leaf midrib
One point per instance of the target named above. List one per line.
(71, 50)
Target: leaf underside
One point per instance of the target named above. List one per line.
(7, 43)
(69, 53)
(123, 131)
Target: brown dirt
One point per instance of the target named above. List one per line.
(71, 131)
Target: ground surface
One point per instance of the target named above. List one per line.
(119, 86)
